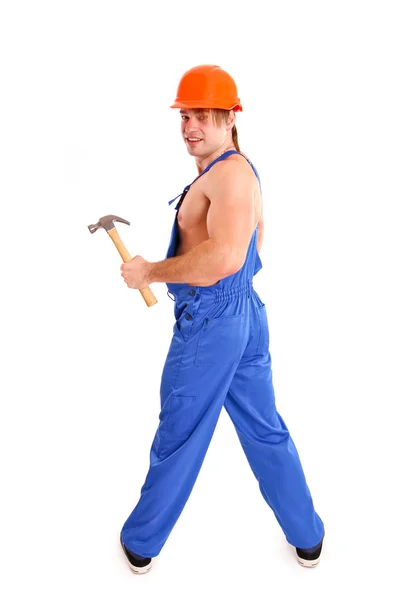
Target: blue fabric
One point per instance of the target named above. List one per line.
(219, 357)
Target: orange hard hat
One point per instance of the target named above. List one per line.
(207, 86)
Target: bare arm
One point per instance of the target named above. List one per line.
(204, 263)
(230, 222)
(260, 236)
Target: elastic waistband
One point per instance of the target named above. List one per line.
(234, 291)
(219, 291)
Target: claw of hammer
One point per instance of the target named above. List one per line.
(107, 223)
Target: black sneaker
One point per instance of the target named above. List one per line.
(309, 557)
(138, 564)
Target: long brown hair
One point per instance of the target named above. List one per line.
(221, 116)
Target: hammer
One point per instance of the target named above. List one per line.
(107, 223)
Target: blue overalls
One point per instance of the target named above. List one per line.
(219, 356)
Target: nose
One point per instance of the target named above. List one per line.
(190, 125)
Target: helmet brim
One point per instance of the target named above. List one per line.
(203, 104)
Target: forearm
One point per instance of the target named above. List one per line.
(205, 263)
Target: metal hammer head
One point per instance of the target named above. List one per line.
(107, 223)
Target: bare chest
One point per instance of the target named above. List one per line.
(192, 220)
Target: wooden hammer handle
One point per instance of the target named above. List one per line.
(147, 294)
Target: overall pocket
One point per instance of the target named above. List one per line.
(220, 340)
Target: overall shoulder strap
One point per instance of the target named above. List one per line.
(218, 159)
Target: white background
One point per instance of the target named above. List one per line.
(86, 130)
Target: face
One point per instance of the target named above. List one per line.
(201, 134)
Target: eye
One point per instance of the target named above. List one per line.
(184, 117)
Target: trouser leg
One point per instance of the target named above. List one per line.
(192, 396)
(268, 445)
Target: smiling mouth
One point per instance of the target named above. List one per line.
(193, 140)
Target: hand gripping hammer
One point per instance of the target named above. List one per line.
(107, 223)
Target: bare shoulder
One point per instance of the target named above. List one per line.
(232, 173)
(233, 191)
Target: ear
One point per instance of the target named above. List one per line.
(231, 120)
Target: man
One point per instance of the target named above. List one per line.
(219, 354)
